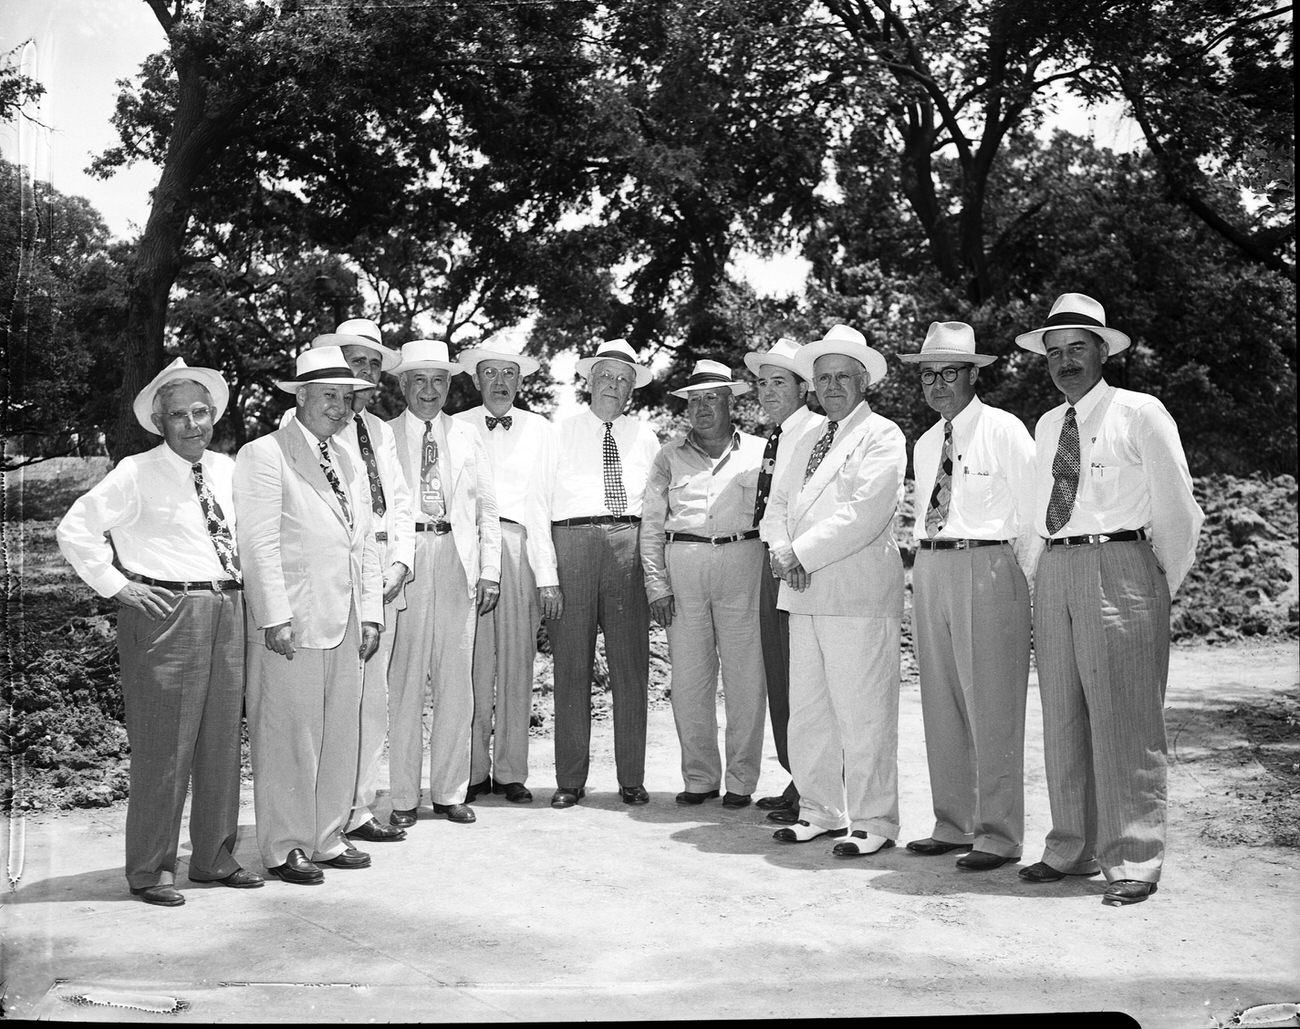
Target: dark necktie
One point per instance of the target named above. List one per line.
(331, 476)
(1065, 474)
(615, 494)
(820, 449)
(765, 474)
(372, 469)
(937, 511)
(431, 502)
(217, 527)
(505, 421)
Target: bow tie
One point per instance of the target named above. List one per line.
(505, 421)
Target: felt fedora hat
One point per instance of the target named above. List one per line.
(708, 375)
(361, 332)
(616, 350)
(781, 354)
(845, 340)
(949, 343)
(209, 378)
(427, 353)
(498, 347)
(1075, 311)
(325, 365)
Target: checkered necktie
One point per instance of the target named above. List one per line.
(372, 469)
(217, 527)
(937, 511)
(1065, 474)
(615, 494)
(505, 421)
(765, 474)
(820, 449)
(327, 466)
(430, 481)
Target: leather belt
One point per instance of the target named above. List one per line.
(716, 541)
(598, 520)
(1126, 536)
(381, 537)
(441, 528)
(958, 544)
(211, 585)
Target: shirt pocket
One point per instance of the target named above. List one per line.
(1103, 483)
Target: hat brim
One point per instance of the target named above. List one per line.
(756, 359)
(869, 357)
(1033, 341)
(737, 388)
(446, 366)
(643, 374)
(293, 385)
(950, 356)
(474, 356)
(211, 379)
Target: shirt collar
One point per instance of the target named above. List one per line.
(687, 440)
(793, 418)
(312, 439)
(1089, 401)
(177, 463)
(598, 421)
(966, 417)
(417, 422)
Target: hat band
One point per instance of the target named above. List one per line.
(1070, 318)
(702, 377)
(325, 373)
(613, 355)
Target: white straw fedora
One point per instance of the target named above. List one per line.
(846, 340)
(210, 378)
(324, 365)
(616, 350)
(951, 342)
(708, 375)
(1075, 311)
(781, 354)
(498, 347)
(427, 353)
(361, 332)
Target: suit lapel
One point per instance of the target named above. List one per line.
(456, 455)
(305, 461)
(845, 441)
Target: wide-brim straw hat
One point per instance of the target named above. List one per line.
(616, 350)
(361, 332)
(845, 340)
(210, 378)
(707, 375)
(949, 343)
(325, 366)
(1075, 311)
(498, 347)
(427, 353)
(780, 355)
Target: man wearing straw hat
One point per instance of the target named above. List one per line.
(1115, 505)
(169, 515)
(782, 394)
(703, 564)
(829, 524)
(315, 612)
(970, 604)
(522, 449)
(455, 580)
(604, 458)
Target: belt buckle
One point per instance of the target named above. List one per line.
(961, 545)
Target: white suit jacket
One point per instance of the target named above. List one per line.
(471, 498)
(301, 561)
(841, 521)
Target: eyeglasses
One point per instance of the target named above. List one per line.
(608, 378)
(947, 374)
(199, 412)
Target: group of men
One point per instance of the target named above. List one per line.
(382, 566)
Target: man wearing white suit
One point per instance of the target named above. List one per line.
(455, 579)
(315, 612)
(829, 526)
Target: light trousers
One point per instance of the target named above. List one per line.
(374, 724)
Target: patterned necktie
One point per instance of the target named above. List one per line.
(1065, 474)
(937, 511)
(430, 481)
(615, 494)
(327, 466)
(372, 469)
(217, 527)
(505, 421)
(820, 449)
(765, 474)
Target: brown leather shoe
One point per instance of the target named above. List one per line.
(164, 895)
(930, 847)
(566, 796)
(372, 831)
(403, 818)
(298, 870)
(736, 800)
(239, 879)
(982, 861)
(461, 813)
(349, 859)
(1127, 891)
(784, 815)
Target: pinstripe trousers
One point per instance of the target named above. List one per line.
(600, 575)
(1101, 635)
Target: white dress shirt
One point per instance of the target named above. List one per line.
(992, 480)
(1133, 475)
(579, 487)
(523, 468)
(150, 508)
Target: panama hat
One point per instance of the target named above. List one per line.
(710, 375)
(324, 365)
(427, 353)
(845, 340)
(498, 347)
(360, 332)
(209, 378)
(952, 342)
(781, 354)
(1075, 311)
(616, 350)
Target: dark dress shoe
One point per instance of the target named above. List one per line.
(687, 797)
(478, 789)
(930, 847)
(297, 869)
(982, 861)
(1042, 872)
(736, 800)
(164, 895)
(239, 879)
(566, 797)
(772, 803)
(373, 832)
(462, 813)
(634, 795)
(1127, 891)
(516, 792)
(784, 815)
(404, 818)
(350, 858)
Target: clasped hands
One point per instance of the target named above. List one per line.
(786, 566)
